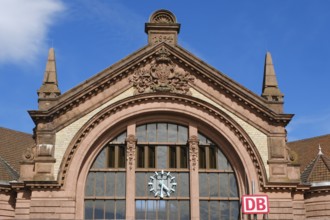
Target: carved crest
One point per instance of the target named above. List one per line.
(162, 75)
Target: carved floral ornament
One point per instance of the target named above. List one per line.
(193, 151)
(131, 144)
(161, 75)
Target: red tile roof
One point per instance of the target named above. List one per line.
(12, 145)
(314, 164)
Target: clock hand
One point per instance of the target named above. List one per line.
(161, 188)
(165, 187)
(168, 191)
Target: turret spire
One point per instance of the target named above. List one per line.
(270, 89)
(320, 150)
(49, 90)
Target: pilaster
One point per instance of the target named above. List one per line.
(130, 172)
(194, 167)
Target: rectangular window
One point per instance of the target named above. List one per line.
(108, 209)
(121, 157)
(172, 157)
(146, 156)
(116, 156)
(111, 157)
(213, 157)
(162, 209)
(183, 157)
(202, 157)
(151, 157)
(140, 156)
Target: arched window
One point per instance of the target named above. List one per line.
(162, 146)
(162, 177)
(105, 186)
(218, 190)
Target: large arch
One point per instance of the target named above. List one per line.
(222, 129)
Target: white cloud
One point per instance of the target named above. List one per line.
(23, 27)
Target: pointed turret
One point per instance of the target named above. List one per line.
(270, 89)
(317, 173)
(49, 90)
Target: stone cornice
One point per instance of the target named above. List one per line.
(222, 82)
(22, 185)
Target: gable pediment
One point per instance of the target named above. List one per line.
(160, 68)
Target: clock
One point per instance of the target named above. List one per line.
(162, 184)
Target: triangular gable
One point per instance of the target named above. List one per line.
(190, 73)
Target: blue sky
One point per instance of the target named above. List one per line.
(232, 36)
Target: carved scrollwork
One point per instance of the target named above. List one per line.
(193, 152)
(131, 143)
(162, 75)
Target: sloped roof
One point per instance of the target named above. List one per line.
(318, 171)
(307, 149)
(12, 145)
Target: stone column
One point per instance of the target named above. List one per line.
(194, 180)
(130, 172)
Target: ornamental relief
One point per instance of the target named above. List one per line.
(161, 75)
(131, 145)
(160, 38)
(193, 152)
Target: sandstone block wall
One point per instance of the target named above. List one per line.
(7, 205)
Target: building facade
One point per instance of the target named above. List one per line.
(158, 135)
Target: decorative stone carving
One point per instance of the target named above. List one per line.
(163, 17)
(193, 152)
(131, 144)
(292, 156)
(162, 75)
(160, 38)
(29, 154)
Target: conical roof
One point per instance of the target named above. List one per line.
(318, 171)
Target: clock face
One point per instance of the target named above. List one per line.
(162, 184)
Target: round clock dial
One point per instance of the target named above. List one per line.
(162, 184)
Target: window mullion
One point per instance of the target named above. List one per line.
(207, 157)
(178, 154)
(146, 157)
(116, 156)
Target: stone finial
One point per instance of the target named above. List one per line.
(270, 89)
(320, 150)
(49, 90)
(162, 27)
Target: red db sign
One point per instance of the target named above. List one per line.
(255, 204)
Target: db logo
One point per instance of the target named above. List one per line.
(255, 204)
